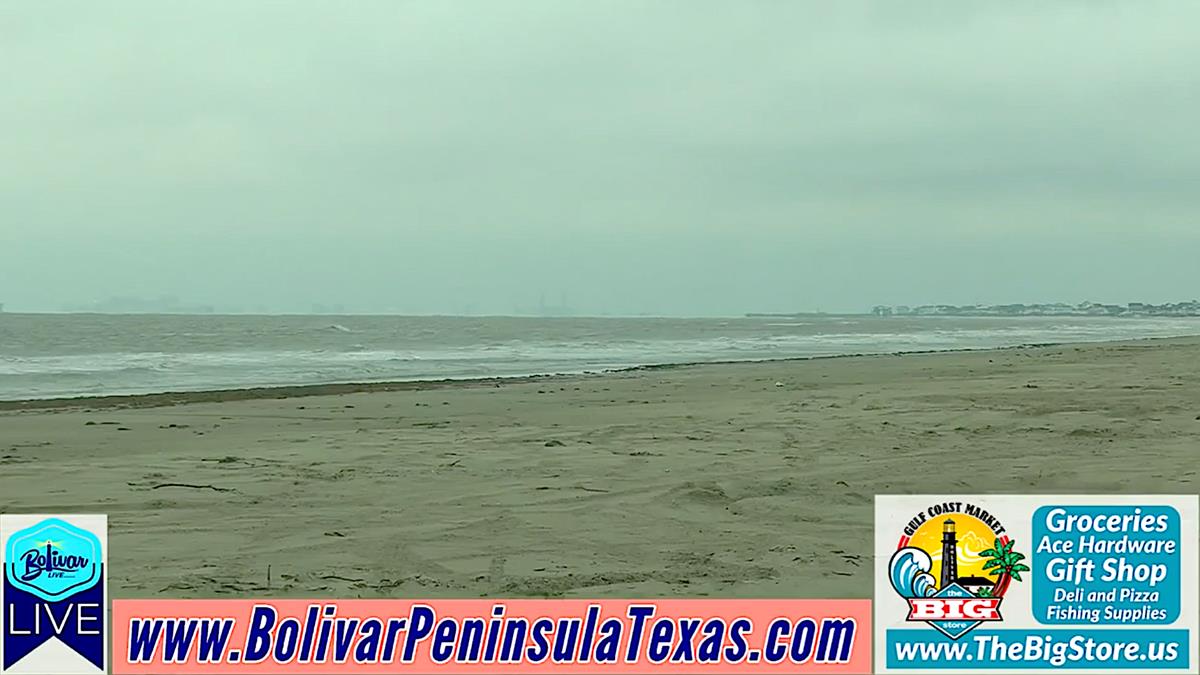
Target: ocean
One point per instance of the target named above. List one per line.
(65, 355)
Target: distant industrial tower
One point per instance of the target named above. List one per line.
(949, 554)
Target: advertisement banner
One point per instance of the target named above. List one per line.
(491, 636)
(1045, 583)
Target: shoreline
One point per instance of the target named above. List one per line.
(739, 480)
(186, 397)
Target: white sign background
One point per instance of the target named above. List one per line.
(1015, 512)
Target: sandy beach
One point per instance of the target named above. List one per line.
(746, 480)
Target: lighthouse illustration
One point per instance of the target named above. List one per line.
(953, 590)
(949, 554)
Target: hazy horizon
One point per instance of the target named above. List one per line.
(618, 158)
(123, 306)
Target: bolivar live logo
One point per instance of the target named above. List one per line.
(53, 594)
(953, 565)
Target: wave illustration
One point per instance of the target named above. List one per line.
(909, 573)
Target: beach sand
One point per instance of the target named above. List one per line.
(736, 480)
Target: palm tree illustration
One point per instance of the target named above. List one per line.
(1005, 563)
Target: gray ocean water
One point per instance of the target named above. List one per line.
(62, 355)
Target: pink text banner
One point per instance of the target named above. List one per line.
(491, 636)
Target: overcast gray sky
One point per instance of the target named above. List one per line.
(630, 157)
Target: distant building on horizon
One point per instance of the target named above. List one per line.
(1133, 309)
(975, 584)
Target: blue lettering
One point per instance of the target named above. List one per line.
(423, 618)
(258, 639)
(38, 562)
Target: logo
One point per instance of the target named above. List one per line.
(953, 564)
(1036, 583)
(54, 594)
(53, 559)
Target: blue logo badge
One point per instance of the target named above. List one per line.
(53, 588)
(53, 560)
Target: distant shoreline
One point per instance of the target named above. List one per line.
(174, 398)
(1129, 310)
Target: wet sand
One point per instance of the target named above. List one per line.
(738, 480)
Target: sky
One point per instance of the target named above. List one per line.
(671, 158)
